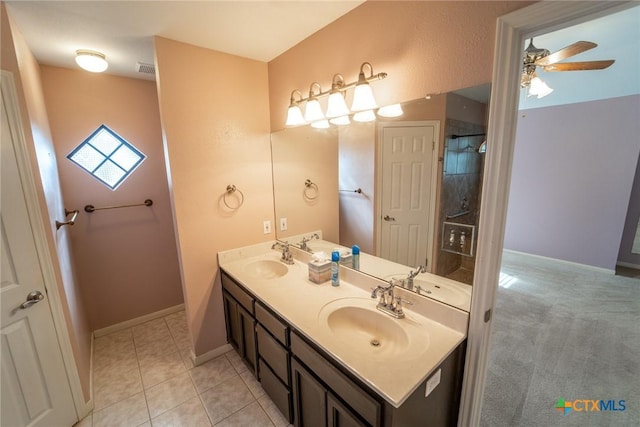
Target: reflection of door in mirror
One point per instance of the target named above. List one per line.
(408, 178)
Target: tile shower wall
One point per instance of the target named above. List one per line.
(461, 184)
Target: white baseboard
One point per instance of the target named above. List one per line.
(137, 321)
(562, 261)
(628, 264)
(199, 360)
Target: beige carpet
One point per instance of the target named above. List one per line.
(562, 332)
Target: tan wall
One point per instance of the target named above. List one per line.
(126, 259)
(18, 59)
(215, 118)
(425, 47)
(299, 154)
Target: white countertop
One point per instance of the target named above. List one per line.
(435, 329)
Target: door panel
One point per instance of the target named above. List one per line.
(35, 388)
(407, 164)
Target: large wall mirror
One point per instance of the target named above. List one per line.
(405, 190)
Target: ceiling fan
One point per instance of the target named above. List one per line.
(534, 58)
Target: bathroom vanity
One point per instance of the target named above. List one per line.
(327, 357)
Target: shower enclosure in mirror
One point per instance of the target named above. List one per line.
(360, 191)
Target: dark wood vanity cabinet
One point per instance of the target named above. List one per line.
(240, 322)
(311, 389)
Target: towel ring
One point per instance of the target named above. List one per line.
(230, 190)
(311, 190)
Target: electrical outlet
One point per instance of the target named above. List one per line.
(283, 224)
(266, 227)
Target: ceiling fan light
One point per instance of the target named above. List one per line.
(92, 61)
(393, 110)
(539, 88)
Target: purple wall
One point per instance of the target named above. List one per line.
(573, 170)
(633, 214)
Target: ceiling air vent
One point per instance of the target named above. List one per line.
(141, 67)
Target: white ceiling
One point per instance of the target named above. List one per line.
(124, 30)
(263, 29)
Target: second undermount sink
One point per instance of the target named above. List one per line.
(359, 327)
(266, 269)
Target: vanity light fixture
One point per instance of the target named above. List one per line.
(337, 106)
(363, 95)
(337, 110)
(393, 110)
(313, 110)
(364, 116)
(92, 61)
(294, 114)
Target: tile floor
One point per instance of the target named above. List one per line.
(143, 376)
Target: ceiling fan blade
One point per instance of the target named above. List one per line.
(579, 66)
(566, 52)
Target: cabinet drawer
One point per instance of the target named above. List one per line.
(276, 356)
(238, 293)
(278, 392)
(358, 399)
(272, 324)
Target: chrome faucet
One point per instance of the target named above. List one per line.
(287, 258)
(389, 303)
(303, 244)
(412, 274)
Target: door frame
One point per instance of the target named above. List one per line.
(434, 181)
(38, 221)
(511, 31)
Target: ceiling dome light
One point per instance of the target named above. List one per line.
(92, 61)
(393, 110)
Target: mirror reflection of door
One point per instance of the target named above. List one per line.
(408, 188)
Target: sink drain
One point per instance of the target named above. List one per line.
(374, 342)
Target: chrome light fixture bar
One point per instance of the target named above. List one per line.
(337, 111)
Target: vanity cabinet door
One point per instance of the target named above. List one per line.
(247, 338)
(232, 322)
(309, 398)
(241, 330)
(340, 416)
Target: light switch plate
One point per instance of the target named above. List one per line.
(266, 227)
(433, 382)
(283, 224)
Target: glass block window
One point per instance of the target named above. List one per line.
(107, 156)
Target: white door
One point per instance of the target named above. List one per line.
(408, 192)
(34, 390)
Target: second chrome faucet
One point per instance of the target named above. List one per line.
(389, 303)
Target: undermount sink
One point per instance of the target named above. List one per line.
(266, 269)
(360, 327)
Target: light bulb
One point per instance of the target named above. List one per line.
(393, 110)
(340, 121)
(363, 98)
(313, 111)
(320, 124)
(336, 106)
(294, 116)
(89, 60)
(364, 116)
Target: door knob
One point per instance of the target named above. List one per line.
(388, 218)
(33, 298)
